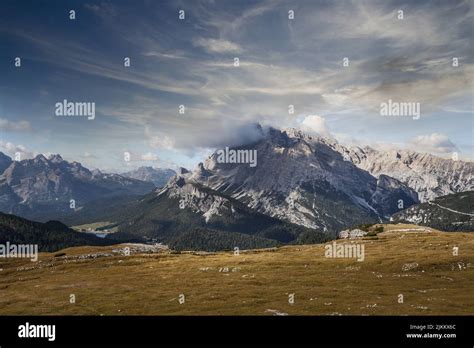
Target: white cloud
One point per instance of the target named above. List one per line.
(299, 68)
(315, 125)
(433, 143)
(12, 149)
(88, 155)
(217, 45)
(159, 141)
(149, 157)
(20, 126)
(102, 10)
(164, 55)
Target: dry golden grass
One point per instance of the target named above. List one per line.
(256, 281)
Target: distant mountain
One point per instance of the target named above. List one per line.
(187, 215)
(159, 177)
(42, 188)
(49, 236)
(428, 175)
(453, 212)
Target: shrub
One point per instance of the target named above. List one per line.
(363, 227)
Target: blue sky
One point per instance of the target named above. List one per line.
(190, 62)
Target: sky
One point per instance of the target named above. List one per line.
(289, 53)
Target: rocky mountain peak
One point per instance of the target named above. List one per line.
(55, 158)
(157, 176)
(298, 177)
(40, 159)
(95, 172)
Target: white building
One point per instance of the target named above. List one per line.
(351, 234)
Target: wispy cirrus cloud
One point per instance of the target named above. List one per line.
(15, 126)
(217, 45)
(433, 143)
(282, 62)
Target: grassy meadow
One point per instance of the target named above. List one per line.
(403, 260)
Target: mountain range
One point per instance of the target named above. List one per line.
(47, 188)
(301, 180)
(301, 189)
(430, 176)
(158, 176)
